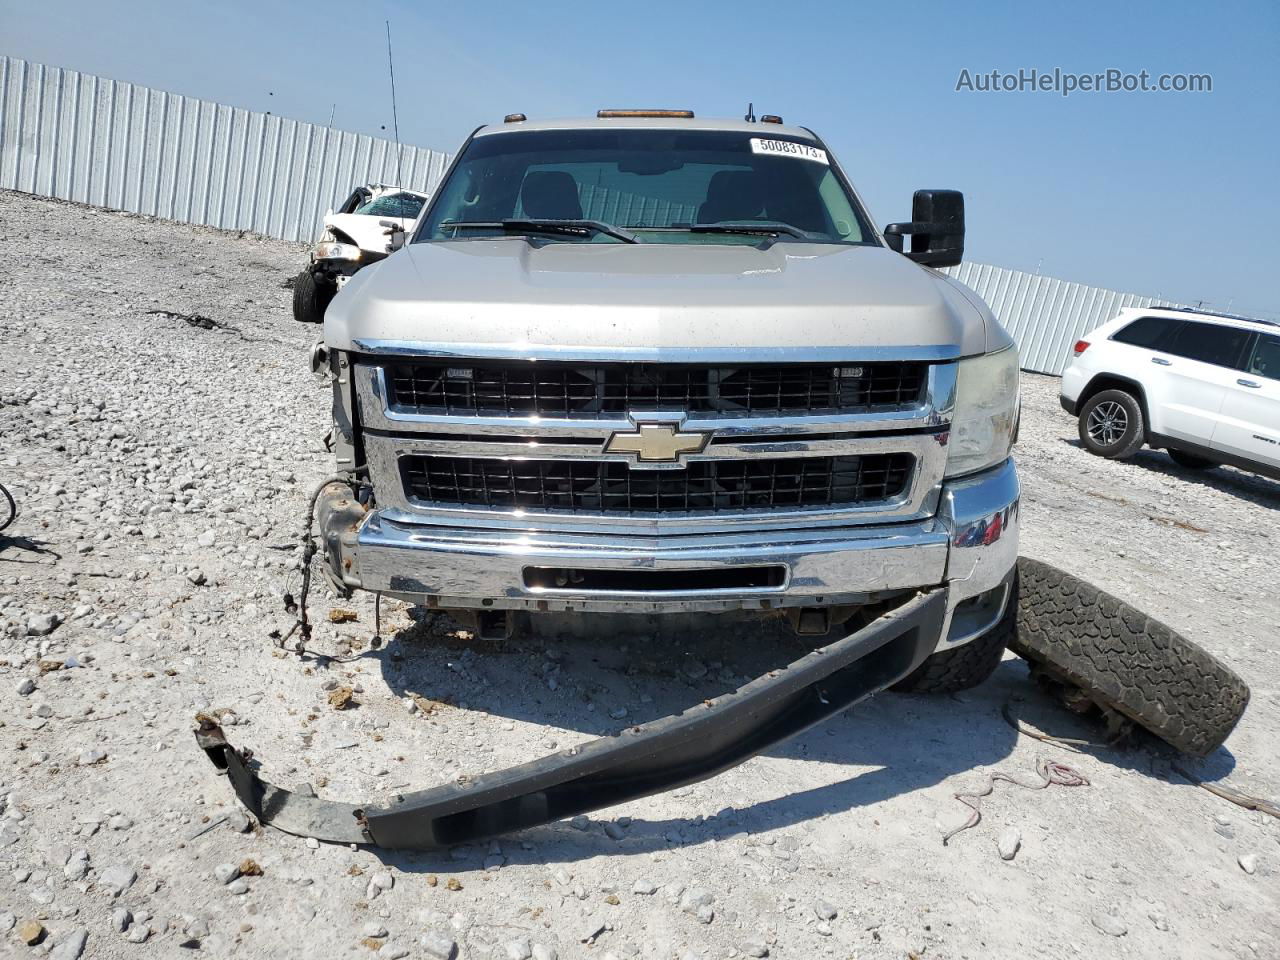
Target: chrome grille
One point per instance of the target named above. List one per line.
(721, 485)
(563, 389)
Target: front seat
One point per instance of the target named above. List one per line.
(732, 195)
(550, 195)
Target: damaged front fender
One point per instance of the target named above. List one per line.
(650, 758)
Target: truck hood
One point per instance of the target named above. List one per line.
(506, 296)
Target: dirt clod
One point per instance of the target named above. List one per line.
(342, 698)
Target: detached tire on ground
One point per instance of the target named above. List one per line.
(960, 668)
(310, 299)
(1112, 425)
(1126, 661)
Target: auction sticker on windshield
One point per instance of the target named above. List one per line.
(788, 148)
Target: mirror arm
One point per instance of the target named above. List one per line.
(894, 232)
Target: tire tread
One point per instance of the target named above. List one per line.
(1126, 660)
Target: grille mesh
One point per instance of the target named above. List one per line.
(610, 486)
(559, 389)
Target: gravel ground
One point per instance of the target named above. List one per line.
(162, 469)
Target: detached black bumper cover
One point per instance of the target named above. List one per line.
(642, 760)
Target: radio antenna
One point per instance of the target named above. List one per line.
(751, 113)
(395, 120)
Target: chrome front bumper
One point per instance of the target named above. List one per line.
(970, 546)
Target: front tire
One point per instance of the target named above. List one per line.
(1191, 461)
(960, 668)
(1112, 425)
(311, 298)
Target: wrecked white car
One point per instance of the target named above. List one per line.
(363, 230)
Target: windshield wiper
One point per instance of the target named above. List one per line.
(769, 228)
(572, 227)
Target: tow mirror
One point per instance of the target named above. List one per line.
(395, 231)
(936, 228)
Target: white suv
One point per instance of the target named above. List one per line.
(1206, 387)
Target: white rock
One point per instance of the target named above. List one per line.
(519, 950)
(543, 951)
(138, 933)
(71, 947)
(824, 911)
(644, 887)
(117, 879)
(392, 951)
(755, 947)
(43, 624)
(438, 945)
(373, 930)
(695, 897)
(77, 866)
(238, 887)
(1248, 862)
(1010, 843)
(226, 872)
(1110, 924)
(26, 686)
(120, 919)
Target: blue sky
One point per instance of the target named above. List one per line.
(1172, 194)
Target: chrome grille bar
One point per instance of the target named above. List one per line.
(570, 390)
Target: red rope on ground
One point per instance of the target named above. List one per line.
(1051, 772)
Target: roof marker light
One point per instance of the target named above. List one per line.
(613, 114)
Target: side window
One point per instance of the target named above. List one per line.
(1153, 333)
(1210, 343)
(1266, 358)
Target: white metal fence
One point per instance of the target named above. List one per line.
(80, 137)
(1046, 316)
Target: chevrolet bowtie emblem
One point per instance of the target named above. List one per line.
(657, 442)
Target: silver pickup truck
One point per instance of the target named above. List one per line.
(649, 364)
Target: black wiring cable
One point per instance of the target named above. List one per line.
(309, 549)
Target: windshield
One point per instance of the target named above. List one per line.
(406, 205)
(658, 184)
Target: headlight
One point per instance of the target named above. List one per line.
(332, 250)
(986, 412)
